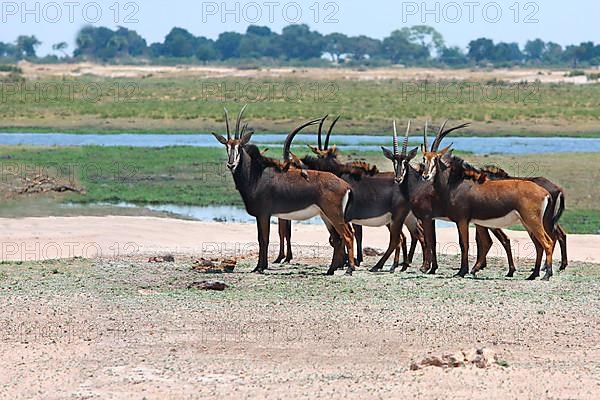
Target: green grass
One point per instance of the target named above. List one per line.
(181, 175)
(194, 104)
(197, 176)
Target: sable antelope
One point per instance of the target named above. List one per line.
(269, 189)
(482, 236)
(373, 204)
(491, 204)
(557, 203)
(480, 175)
(422, 198)
(377, 201)
(285, 230)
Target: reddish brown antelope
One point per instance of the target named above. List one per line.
(557, 204)
(288, 194)
(482, 237)
(377, 201)
(491, 203)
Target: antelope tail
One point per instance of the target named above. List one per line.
(347, 205)
(559, 208)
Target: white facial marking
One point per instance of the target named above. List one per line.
(430, 168)
(233, 152)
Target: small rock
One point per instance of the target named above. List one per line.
(215, 266)
(470, 354)
(480, 358)
(205, 263)
(162, 259)
(209, 285)
(484, 358)
(454, 360)
(432, 361)
(372, 252)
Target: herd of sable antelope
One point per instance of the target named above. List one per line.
(348, 196)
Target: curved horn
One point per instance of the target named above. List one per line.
(425, 137)
(290, 137)
(331, 130)
(227, 124)
(437, 141)
(239, 120)
(405, 143)
(319, 143)
(243, 130)
(395, 139)
(443, 133)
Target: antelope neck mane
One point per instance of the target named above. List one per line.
(358, 169)
(355, 168)
(264, 162)
(461, 169)
(495, 172)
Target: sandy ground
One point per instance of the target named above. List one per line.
(89, 237)
(135, 71)
(119, 327)
(122, 328)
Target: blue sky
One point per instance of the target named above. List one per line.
(459, 21)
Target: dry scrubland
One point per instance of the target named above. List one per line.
(127, 329)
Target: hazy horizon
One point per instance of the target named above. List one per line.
(459, 22)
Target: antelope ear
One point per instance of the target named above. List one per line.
(423, 149)
(412, 154)
(333, 149)
(387, 153)
(446, 158)
(246, 138)
(313, 148)
(297, 161)
(220, 138)
(445, 150)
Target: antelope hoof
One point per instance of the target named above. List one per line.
(533, 276)
(405, 266)
(548, 274)
(349, 271)
(331, 270)
(278, 260)
(563, 267)
(375, 269)
(546, 277)
(461, 274)
(432, 271)
(424, 269)
(258, 270)
(287, 260)
(510, 274)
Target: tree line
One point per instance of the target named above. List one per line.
(419, 45)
